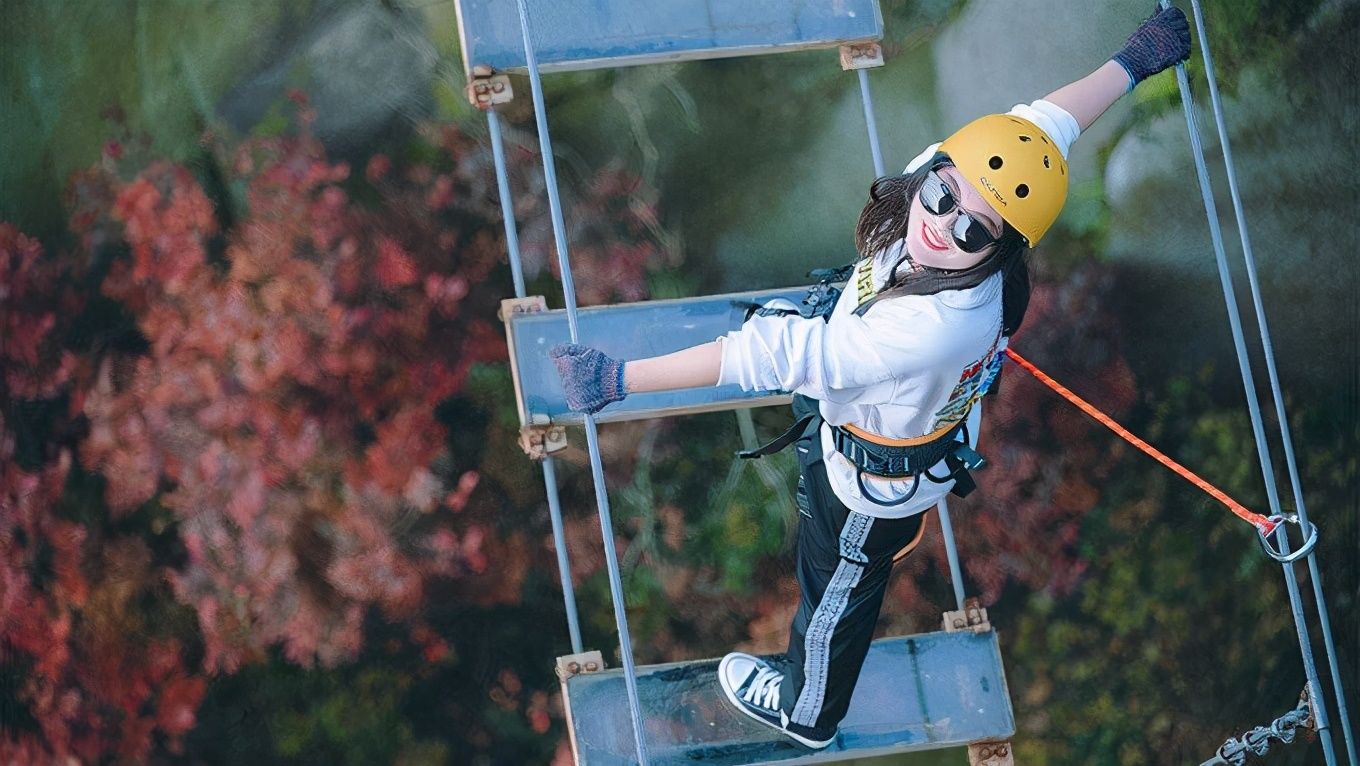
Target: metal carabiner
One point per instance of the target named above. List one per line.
(1309, 542)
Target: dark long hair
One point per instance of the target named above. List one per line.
(884, 222)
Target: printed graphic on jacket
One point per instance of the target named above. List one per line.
(864, 281)
(973, 383)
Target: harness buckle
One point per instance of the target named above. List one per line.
(969, 457)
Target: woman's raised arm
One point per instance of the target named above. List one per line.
(1160, 42)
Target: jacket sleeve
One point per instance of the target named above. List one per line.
(850, 359)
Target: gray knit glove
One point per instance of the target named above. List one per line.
(1160, 42)
(591, 379)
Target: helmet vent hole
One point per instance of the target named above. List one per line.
(1046, 164)
(994, 162)
(1026, 139)
(1044, 139)
(1022, 191)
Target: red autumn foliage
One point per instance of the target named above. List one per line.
(287, 399)
(68, 593)
(276, 420)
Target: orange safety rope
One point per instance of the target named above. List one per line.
(1263, 524)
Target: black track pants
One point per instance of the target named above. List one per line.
(844, 559)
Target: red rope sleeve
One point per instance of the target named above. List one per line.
(1265, 525)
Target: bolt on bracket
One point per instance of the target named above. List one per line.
(541, 438)
(569, 665)
(973, 617)
(487, 88)
(990, 754)
(865, 55)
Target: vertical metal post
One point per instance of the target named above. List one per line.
(563, 564)
(493, 124)
(872, 123)
(592, 435)
(1296, 485)
(955, 572)
(1254, 408)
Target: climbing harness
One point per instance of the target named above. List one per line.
(884, 457)
(873, 454)
(1256, 742)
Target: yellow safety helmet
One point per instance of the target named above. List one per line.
(1016, 167)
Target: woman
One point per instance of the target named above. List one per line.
(887, 378)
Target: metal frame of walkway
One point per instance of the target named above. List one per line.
(489, 33)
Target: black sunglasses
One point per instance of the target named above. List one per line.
(969, 233)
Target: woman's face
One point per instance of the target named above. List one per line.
(930, 238)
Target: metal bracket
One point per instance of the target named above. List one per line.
(538, 437)
(486, 88)
(972, 618)
(990, 754)
(541, 438)
(570, 665)
(865, 55)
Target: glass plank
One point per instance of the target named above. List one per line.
(587, 34)
(633, 331)
(922, 692)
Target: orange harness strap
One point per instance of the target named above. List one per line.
(1262, 524)
(891, 442)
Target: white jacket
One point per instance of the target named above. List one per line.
(906, 368)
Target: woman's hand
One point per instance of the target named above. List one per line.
(1160, 42)
(590, 378)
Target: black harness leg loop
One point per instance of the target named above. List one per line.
(864, 490)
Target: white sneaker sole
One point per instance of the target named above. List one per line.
(739, 705)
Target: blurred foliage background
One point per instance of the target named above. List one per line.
(261, 498)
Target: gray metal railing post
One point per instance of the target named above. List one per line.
(592, 435)
(1296, 485)
(1253, 406)
(493, 124)
(947, 531)
(871, 122)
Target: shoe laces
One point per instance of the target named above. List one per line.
(764, 689)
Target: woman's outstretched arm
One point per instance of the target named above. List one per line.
(592, 379)
(1088, 98)
(688, 368)
(1159, 43)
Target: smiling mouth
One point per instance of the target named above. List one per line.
(930, 241)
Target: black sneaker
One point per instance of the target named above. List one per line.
(752, 686)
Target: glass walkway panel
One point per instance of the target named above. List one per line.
(589, 34)
(920, 692)
(628, 331)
